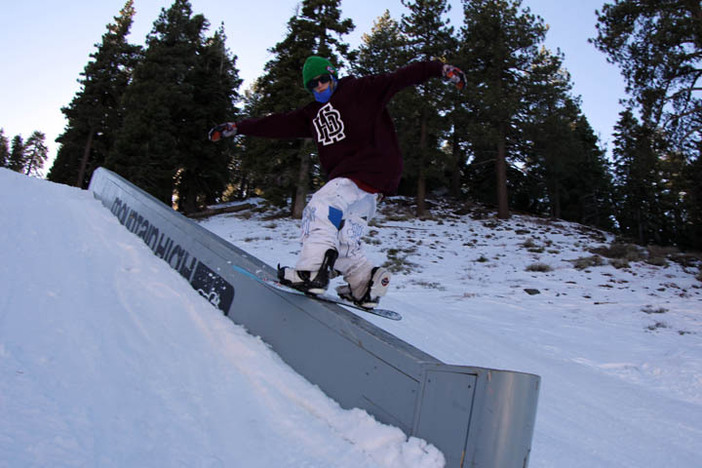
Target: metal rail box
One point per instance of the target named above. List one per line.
(477, 417)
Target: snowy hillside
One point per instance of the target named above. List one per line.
(108, 359)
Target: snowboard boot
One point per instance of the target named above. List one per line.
(367, 295)
(310, 282)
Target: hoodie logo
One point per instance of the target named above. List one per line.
(329, 126)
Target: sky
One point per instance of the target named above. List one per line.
(44, 46)
(109, 358)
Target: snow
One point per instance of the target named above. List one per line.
(108, 358)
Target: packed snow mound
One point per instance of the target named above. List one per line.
(109, 358)
(614, 330)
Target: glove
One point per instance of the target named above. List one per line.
(226, 130)
(455, 76)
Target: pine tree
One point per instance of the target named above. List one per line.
(183, 84)
(284, 168)
(382, 50)
(637, 179)
(589, 182)
(35, 154)
(429, 36)
(94, 115)
(500, 43)
(674, 206)
(566, 168)
(156, 104)
(547, 127)
(16, 159)
(4, 148)
(658, 45)
(204, 172)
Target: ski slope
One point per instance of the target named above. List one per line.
(108, 358)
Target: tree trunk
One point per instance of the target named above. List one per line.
(302, 182)
(84, 159)
(501, 170)
(421, 193)
(556, 200)
(421, 176)
(188, 204)
(640, 232)
(455, 182)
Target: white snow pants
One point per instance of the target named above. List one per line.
(337, 217)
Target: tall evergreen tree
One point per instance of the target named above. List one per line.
(589, 184)
(182, 84)
(285, 167)
(637, 179)
(204, 172)
(35, 153)
(674, 196)
(566, 168)
(658, 45)
(16, 159)
(94, 115)
(157, 102)
(382, 50)
(500, 45)
(429, 36)
(547, 126)
(4, 148)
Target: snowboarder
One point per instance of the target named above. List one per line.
(359, 151)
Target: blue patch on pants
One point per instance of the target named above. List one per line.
(335, 216)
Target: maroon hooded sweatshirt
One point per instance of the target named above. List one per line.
(354, 133)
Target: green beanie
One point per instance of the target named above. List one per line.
(315, 66)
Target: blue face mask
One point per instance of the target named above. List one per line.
(325, 95)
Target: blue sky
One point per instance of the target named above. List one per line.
(45, 46)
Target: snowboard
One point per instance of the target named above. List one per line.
(275, 284)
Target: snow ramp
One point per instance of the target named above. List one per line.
(477, 417)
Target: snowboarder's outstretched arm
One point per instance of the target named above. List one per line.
(385, 85)
(283, 125)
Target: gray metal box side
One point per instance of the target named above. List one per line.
(478, 417)
(503, 419)
(444, 409)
